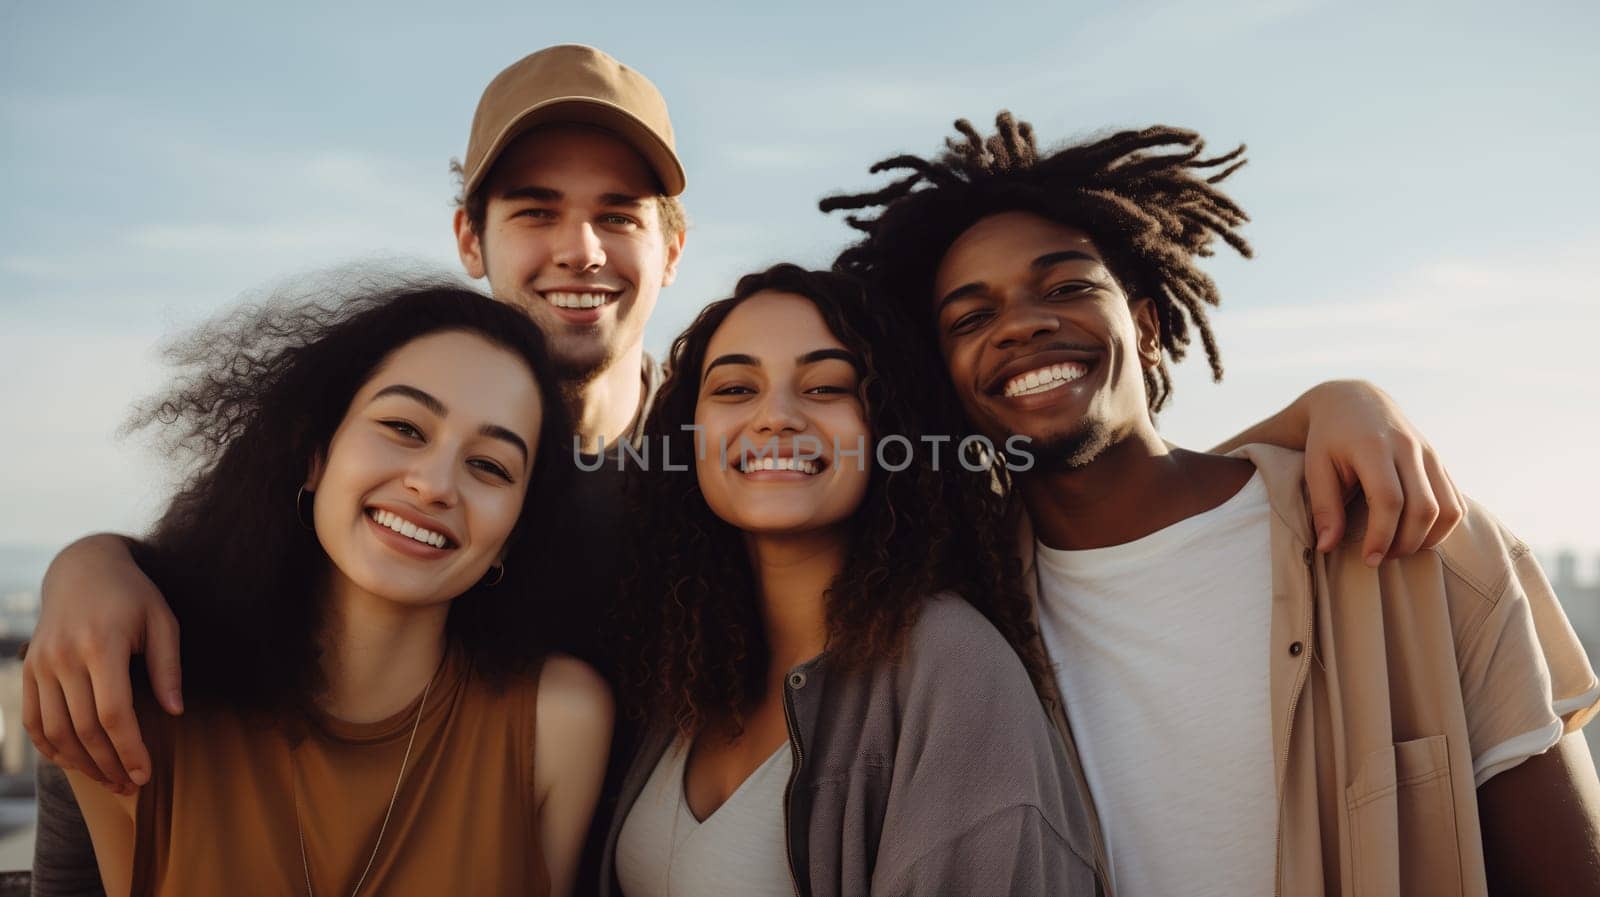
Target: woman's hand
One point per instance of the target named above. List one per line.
(1354, 436)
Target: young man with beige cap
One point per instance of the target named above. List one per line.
(580, 227)
(569, 208)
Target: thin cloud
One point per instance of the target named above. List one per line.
(293, 239)
(780, 157)
(36, 265)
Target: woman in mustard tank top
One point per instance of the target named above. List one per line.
(357, 559)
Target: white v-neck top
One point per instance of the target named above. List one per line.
(738, 850)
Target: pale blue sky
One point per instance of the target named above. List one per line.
(1421, 188)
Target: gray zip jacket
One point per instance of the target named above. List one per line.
(937, 775)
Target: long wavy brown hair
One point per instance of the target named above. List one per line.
(691, 609)
(258, 393)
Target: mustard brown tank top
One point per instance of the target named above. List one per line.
(218, 816)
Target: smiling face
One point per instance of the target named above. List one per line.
(780, 395)
(425, 477)
(1039, 338)
(573, 235)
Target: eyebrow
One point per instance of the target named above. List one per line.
(1048, 260)
(414, 394)
(734, 358)
(811, 357)
(542, 194)
(550, 194)
(493, 431)
(831, 354)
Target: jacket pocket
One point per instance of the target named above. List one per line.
(1402, 820)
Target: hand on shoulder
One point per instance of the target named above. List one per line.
(97, 610)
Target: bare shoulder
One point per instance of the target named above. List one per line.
(574, 699)
(572, 735)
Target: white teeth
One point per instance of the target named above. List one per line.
(408, 529)
(1044, 379)
(803, 466)
(577, 300)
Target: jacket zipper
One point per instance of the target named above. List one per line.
(1294, 701)
(788, 790)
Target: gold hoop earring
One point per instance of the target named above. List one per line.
(300, 514)
(498, 571)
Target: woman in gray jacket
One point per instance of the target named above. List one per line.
(833, 662)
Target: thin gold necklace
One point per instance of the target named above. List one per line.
(294, 784)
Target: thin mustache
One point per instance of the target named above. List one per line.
(1066, 347)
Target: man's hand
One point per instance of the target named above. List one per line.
(1356, 436)
(97, 610)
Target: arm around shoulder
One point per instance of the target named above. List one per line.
(98, 608)
(572, 739)
(1353, 434)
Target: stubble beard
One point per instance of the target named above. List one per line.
(574, 370)
(577, 355)
(1074, 450)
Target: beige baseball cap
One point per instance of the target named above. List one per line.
(575, 84)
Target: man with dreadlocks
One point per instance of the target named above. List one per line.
(1252, 716)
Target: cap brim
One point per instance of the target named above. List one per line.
(589, 111)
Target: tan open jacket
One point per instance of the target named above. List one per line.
(1385, 685)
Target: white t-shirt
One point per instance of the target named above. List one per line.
(1161, 650)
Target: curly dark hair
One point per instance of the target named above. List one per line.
(1137, 193)
(260, 392)
(691, 613)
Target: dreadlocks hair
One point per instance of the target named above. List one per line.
(1148, 199)
(689, 617)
